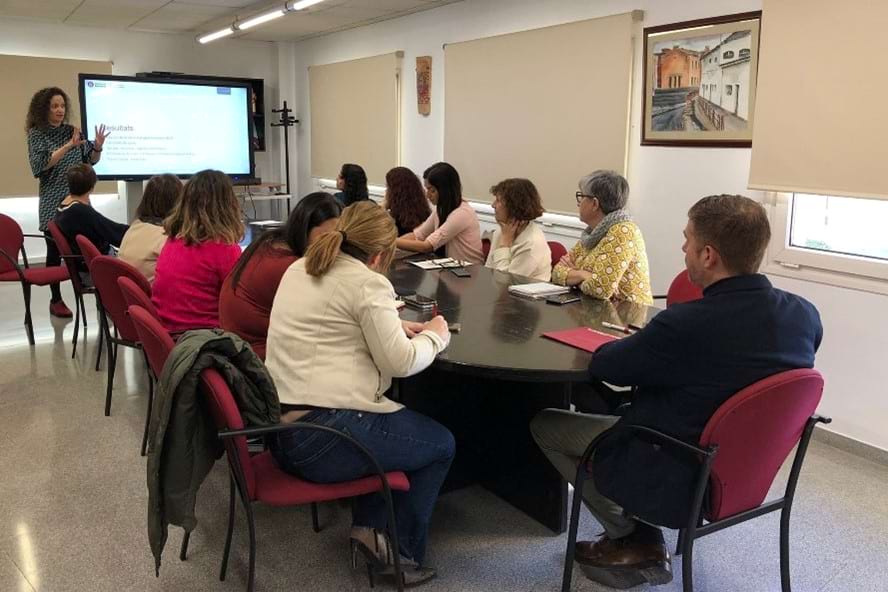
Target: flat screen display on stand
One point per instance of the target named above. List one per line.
(169, 126)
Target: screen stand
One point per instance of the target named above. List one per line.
(132, 195)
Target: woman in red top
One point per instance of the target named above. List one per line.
(203, 229)
(248, 292)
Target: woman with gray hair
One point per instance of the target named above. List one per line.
(609, 262)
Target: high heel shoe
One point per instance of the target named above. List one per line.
(380, 562)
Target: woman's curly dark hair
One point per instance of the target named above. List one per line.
(406, 200)
(38, 110)
(520, 198)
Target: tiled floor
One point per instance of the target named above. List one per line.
(73, 503)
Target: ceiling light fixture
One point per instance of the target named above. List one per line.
(262, 18)
(217, 35)
(291, 6)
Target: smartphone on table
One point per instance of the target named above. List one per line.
(565, 298)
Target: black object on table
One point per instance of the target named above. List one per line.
(497, 374)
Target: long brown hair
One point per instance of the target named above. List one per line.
(363, 230)
(159, 198)
(38, 110)
(406, 200)
(207, 211)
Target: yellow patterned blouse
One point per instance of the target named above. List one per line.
(618, 265)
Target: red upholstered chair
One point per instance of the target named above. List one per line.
(12, 242)
(742, 448)
(89, 252)
(137, 294)
(72, 262)
(105, 271)
(485, 247)
(558, 251)
(257, 477)
(681, 290)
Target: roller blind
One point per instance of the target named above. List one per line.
(549, 104)
(354, 116)
(820, 119)
(23, 76)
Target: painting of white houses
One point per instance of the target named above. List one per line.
(700, 82)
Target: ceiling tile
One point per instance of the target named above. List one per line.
(112, 14)
(226, 3)
(179, 16)
(52, 10)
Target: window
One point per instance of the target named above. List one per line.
(728, 55)
(831, 239)
(843, 225)
(744, 53)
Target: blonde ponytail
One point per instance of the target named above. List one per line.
(363, 230)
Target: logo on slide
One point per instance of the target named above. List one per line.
(223, 90)
(90, 84)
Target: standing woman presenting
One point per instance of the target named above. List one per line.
(53, 147)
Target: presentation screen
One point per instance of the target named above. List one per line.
(167, 126)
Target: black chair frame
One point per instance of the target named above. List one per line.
(695, 528)
(238, 480)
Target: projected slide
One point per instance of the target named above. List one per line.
(162, 127)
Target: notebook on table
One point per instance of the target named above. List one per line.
(538, 290)
(582, 338)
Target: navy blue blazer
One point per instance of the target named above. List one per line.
(686, 362)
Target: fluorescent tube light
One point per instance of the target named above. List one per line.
(262, 18)
(217, 35)
(302, 4)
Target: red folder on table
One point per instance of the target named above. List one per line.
(581, 337)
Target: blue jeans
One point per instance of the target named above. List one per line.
(401, 441)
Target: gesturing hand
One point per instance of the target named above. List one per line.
(101, 135)
(76, 139)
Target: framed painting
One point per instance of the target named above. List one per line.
(699, 82)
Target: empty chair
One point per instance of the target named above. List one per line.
(12, 242)
(740, 452)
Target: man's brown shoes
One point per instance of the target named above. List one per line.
(625, 562)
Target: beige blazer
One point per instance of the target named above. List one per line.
(529, 254)
(337, 341)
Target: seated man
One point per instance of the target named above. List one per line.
(689, 360)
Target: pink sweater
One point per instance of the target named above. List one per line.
(187, 283)
(461, 234)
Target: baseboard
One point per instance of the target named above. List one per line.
(850, 445)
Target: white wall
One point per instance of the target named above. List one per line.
(139, 52)
(665, 181)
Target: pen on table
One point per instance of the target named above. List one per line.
(615, 327)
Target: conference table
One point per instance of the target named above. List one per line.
(497, 373)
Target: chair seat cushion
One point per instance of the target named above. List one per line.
(39, 276)
(277, 488)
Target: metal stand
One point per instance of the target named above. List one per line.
(287, 121)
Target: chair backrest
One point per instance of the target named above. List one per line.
(155, 339)
(66, 252)
(105, 270)
(136, 294)
(227, 416)
(11, 241)
(755, 431)
(682, 290)
(87, 249)
(485, 247)
(558, 251)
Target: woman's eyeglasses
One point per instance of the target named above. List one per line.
(581, 195)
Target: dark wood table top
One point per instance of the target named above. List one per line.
(501, 334)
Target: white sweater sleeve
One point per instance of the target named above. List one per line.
(519, 259)
(393, 352)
